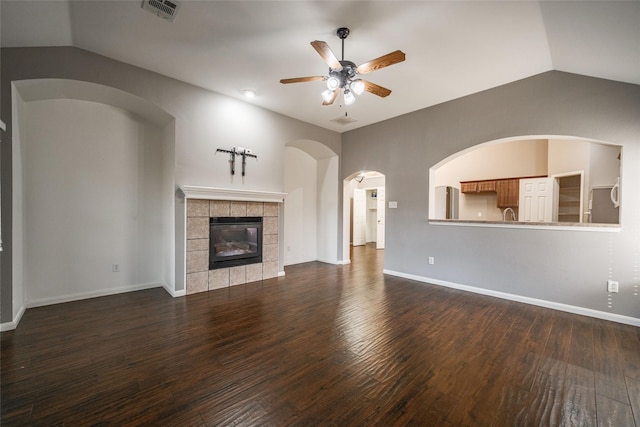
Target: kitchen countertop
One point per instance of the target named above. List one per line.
(519, 224)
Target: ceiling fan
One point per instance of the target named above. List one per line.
(344, 74)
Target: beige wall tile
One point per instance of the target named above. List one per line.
(218, 278)
(238, 208)
(270, 225)
(197, 245)
(269, 239)
(269, 270)
(269, 253)
(254, 273)
(197, 261)
(219, 208)
(197, 208)
(238, 275)
(197, 228)
(199, 278)
(271, 209)
(197, 282)
(255, 209)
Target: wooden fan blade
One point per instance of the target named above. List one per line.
(302, 79)
(333, 98)
(376, 89)
(327, 54)
(383, 61)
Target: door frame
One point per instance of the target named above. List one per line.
(556, 192)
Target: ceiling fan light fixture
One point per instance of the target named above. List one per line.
(357, 86)
(349, 98)
(333, 83)
(327, 95)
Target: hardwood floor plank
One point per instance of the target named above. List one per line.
(582, 344)
(323, 345)
(629, 348)
(633, 387)
(612, 413)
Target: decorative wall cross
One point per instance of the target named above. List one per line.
(238, 151)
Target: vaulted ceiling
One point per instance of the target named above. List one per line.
(453, 48)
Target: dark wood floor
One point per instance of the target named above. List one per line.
(325, 345)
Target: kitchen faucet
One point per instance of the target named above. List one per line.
(504, 214)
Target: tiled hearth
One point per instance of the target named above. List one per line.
(199, 277)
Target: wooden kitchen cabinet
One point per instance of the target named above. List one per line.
(508, 193)
(486, 186)
(469, 187)
(478, 186)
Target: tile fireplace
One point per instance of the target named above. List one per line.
(230, 242)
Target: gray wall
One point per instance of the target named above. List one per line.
(204, 121)
(568, 267)
(565, 267)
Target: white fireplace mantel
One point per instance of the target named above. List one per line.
(212, 193)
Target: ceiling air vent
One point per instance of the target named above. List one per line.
(344, 120)
(166, 9)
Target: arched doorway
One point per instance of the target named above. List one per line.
(363, 211)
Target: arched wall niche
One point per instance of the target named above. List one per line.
(119, 217)
(44, 89)
(582, 178)
(311, 208)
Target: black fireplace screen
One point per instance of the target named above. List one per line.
(234, 241)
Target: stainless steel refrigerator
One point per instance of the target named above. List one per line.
(604, 205)
(446, 202)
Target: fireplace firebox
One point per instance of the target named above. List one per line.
(234, 241)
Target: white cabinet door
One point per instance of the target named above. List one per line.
(536, 200)
(359, 217)
(380, 219)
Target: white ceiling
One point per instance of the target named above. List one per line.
(453, 48)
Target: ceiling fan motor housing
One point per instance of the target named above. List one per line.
(346, 75)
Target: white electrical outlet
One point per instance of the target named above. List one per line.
(612, 286)
(432, 260)
(115, 268)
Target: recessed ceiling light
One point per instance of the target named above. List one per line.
(249, 93)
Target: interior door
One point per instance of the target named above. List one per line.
(359, 217)
(380, 218)
(536, 200)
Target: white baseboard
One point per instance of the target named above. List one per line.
(280, 273)
(91, 294)
(9, 326)
(328, 261)
(627, 320)
(344, 262)
(174, 293)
